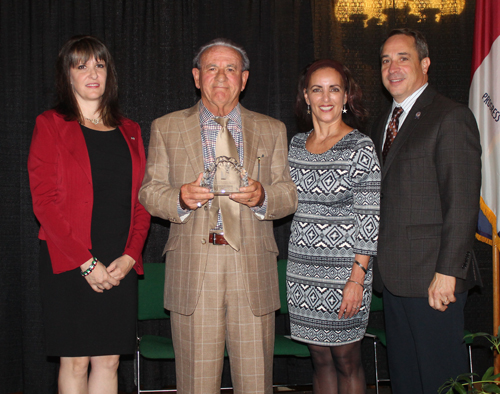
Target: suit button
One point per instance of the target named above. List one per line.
(203, 241)
(381, 196)
(205, 207)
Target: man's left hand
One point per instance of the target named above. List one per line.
(442, 291)
(252, 195)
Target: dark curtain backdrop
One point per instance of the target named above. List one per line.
(153, 42)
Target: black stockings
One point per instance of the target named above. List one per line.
(338, 369)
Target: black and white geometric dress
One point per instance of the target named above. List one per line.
(337, 217)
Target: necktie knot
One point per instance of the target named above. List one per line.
(222, 121)
(225, 145)
(397, 113)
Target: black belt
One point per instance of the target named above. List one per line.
(217, 239)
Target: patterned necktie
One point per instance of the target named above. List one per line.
(229, 209)
(392, 131)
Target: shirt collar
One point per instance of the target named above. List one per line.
(408, 103)
(206, 116)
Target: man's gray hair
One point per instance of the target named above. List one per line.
(224, 42)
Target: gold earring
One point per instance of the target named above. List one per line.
(308, 109)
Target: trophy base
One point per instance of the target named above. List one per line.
(223, 193)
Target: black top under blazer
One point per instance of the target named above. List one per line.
(430, 197)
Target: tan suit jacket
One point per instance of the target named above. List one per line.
(175, 158)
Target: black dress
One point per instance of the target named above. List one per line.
(79, 321)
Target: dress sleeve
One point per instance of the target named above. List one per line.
(365, 175)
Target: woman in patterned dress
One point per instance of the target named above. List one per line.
(334, 231)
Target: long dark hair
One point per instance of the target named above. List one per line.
(80, 49)
(356, 113)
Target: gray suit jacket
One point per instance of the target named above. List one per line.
(429, 198)
(175, 157)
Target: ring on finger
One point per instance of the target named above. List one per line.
(198, 204)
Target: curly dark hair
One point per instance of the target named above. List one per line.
(80, 49)
(356, 113)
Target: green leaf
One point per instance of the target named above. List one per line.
(465, 376)
(487, 375)
(478, 334)
(491, 388)
(459, 388)
(495, 377)
(446, 385)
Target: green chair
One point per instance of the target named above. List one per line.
(283, 344)
(150, 307)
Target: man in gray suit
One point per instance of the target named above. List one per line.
(431, 156)
(221, 285)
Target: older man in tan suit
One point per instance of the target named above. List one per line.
(221, 289)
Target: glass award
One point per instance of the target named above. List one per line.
(225, 176)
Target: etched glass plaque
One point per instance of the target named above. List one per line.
(225, 176)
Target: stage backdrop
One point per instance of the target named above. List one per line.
(153, 44)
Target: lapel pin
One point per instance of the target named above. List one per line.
(133, 138)
(417, 115)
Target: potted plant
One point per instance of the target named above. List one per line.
(464, 384)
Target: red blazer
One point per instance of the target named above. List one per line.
(61, 188)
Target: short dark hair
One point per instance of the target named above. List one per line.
(420, 41)
(356, 112)
(80, 49)
(224, 42)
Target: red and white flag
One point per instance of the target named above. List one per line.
(484, 101)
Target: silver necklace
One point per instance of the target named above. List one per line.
(94, 121)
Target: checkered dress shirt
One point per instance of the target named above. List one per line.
(210, 130)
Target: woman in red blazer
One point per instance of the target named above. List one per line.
(86, 165)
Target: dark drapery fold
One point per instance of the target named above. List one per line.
(153, 44)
